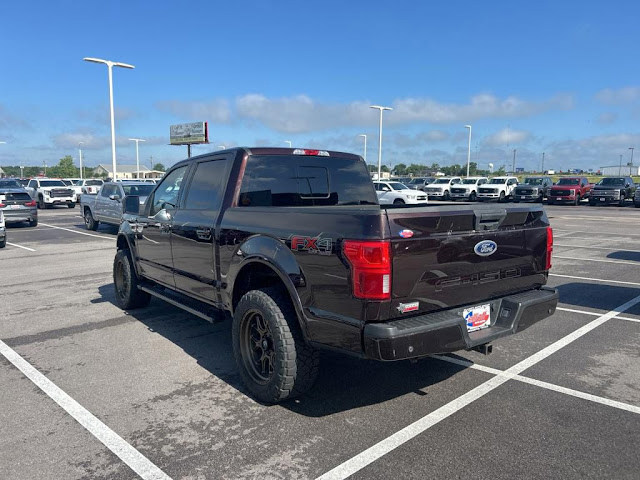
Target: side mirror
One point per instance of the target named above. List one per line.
(114, 197)
(131, 204)
(386, 189)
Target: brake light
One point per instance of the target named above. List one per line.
(2, 205)
(32, 203)
(547, 264)
(316, 153)
(370, 268)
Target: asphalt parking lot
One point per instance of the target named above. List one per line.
(155, 393)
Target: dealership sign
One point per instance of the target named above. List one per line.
(189, 133)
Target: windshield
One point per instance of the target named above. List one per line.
(67, 182)
(568, 181)
(497, 181)
(52, 183)
(443, 180)
(398, 186)
(533, 181)
(141, 190)
(416, 180)
(93, 183)
(611, 181)
(469, 181)
(10, 184)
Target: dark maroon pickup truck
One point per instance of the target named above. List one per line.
(293, 244)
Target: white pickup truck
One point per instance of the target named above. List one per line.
(498, 188)
(106, 206)
(49, 192)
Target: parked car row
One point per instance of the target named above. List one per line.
(569, 190)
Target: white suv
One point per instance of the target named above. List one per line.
(467, 189)
(498, 188)
(441, 187)
(396, 193)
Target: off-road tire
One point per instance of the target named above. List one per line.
(265, 325)
(89, 221)
(576, 202)
(41, 205)
(126, 283)
(446, 196)
(71, 205)
(502, 197)
(623, 199)
(592, 202)
(473, 197)
(3, 243)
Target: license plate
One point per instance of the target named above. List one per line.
(477, 317)
(602, 199)
(14, 207)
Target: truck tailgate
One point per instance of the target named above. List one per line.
(453, 255)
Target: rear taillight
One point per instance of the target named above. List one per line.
(370, 268)
(2, 205)
(547, 264)
(32, 203)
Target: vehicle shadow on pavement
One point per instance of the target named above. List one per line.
(102, 228)
(344, 382)
(624, 255)
(604, 297)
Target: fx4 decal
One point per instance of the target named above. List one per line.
(318, 245)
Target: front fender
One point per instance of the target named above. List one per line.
(127, 240)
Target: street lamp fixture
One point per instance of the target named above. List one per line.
(289, 142)
(137, 140)
(468, 150)
(365, 146)
(110, 66)
(381, 108)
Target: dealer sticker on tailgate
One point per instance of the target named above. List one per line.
(477, 317)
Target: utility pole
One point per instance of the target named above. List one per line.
(513, 170)
(542, 166)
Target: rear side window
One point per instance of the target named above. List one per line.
(207, 187)
(17, 196)
(293, 181)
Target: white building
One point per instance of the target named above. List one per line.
(2, 174)
(616, 170)
(127, 172)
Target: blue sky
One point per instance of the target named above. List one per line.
(554, 77)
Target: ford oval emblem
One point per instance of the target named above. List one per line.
(406, 233)
(485, 248)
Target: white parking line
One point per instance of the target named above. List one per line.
(78, 232)
(601, 280)
(595, 314)
(392, 442)
(129, 455)
(590, 234)
(621, 262)
(593, 248)
(549, 386)
(20, 246)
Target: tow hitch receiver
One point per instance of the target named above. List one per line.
(484, 349)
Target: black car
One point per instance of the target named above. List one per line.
(613, 190)
(532, 189)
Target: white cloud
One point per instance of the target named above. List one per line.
(215, 111)
(621, 96)
(300, 113)
(507, 136)
(607, 118)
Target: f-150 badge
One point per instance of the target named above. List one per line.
(485, 248)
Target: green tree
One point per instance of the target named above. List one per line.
(401, 169)
(159, 167)
(66, 168)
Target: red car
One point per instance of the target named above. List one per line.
(570, 190)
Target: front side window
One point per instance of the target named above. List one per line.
(166, 196)
(33, 184)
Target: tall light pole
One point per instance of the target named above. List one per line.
(380, 138)
(137, 140)
(21, 175)
(620, 166)
(468, 150)
(365, 146)
(513, 171)
(110, 66)
(542, 165)
(289, 142)
(631, 163)
(80, 156)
